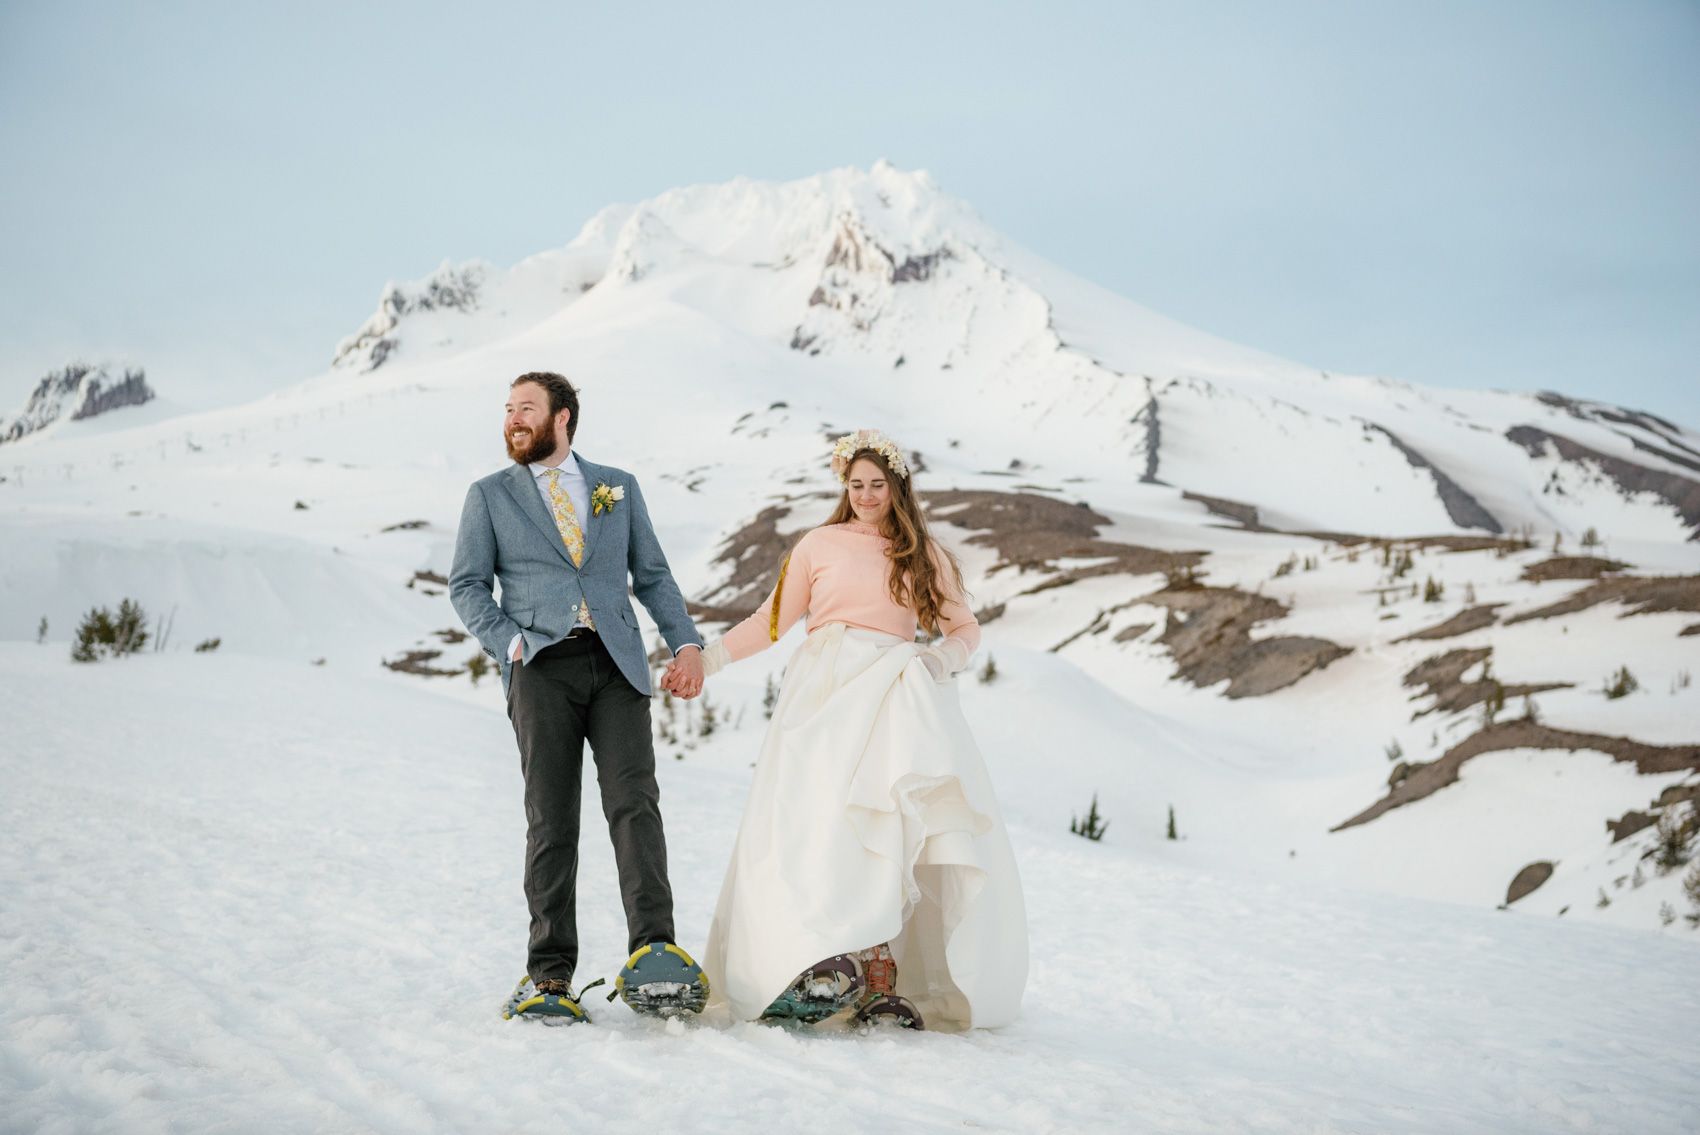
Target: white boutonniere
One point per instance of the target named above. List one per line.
(604, 497)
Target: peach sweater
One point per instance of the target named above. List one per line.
(838, 574)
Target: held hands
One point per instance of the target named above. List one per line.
(684, 676)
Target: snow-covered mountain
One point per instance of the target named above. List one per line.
(78, 391)
(1356, 633)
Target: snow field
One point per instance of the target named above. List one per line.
(247, 890)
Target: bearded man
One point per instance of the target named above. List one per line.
(564, 537)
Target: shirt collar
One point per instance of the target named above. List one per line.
(569, 467)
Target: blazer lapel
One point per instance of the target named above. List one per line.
(593, 524)
(522, 486)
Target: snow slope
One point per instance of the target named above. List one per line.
(222, 913)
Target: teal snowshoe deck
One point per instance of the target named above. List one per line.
(661, 980)
(546, 1008)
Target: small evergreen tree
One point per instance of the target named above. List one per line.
(1394, 749)
(1691, 888)
(1433, 590)
(41, 631)
(1621, 684)
(1093, 827)
(989, 672)
(1671, 840)
(104, 635)
(1590, 538)
(477, 666)
(1172, 834)
(769, 698)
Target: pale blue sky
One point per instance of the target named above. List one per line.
(1464, 194)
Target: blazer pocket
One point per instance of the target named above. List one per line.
(523, 616)
(630, 616)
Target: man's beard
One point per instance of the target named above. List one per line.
(542, 448)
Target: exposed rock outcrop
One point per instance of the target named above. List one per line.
(1643, 594)
(450, 288)
(1681, 493)
(1443, 771)
(1464, 510)
(78, 391)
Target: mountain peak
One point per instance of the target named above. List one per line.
(80, 390)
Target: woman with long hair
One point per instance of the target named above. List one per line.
(872, 877)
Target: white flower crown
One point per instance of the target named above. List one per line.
(849, 445)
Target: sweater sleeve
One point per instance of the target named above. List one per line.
(960, 627)
(758, 632)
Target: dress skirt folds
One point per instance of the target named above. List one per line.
(871, 819)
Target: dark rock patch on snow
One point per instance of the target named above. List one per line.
(1528, 880)
(1442, 678)
(1244, 514)
(1464, 509)
(1470, 619)
(1212, 641)
(1644, 594)
(1572, 567)
(1681, 493)
(1524, 734)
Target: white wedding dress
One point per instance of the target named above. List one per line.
(871, 819)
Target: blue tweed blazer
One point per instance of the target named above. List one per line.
(507, 536)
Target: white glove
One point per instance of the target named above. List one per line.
(944, 658)
(714, 658)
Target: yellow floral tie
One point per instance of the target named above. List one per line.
(566, 522)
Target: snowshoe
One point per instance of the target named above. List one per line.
(880, 1006)
(823, 989)
(661, 980)
(888, 1010)
(553, 1004)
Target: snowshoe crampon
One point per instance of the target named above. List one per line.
(820, 991)
(551, 1008)
(889, 1011)
(661, 980)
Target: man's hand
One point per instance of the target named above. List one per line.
(519, 649)
(684, 676)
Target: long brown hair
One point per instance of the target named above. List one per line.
(914, 581)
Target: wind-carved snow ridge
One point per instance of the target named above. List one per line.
(78, 391)
(460, 306)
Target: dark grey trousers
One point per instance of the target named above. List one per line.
(566, 695)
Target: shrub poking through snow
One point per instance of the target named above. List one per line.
(1673, 836)
(1172, 834)
(1394, 750)
(477, 666)
(1093, 826)
(769, 697)
(1433, 590)
(102, 634)
(41, 631)
(989, 672)
(1621, 684)
(1691, 888)
(207, 645)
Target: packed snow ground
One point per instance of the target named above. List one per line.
(243, 893)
